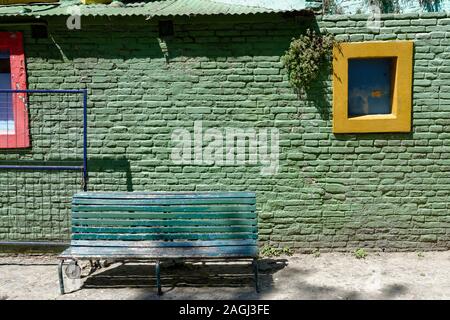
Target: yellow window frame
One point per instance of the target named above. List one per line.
(399, 120)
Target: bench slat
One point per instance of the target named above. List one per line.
(165, 195)
(181, 236)
(175, 208)
(189, 229)
(141, 201)
(166, 215)
(162, 244)
(187, 252)
(117, 220)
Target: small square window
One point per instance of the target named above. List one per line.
(166, 29)
(372, 87)
(39, 32)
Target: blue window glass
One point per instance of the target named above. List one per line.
(370, 84)
(6, 107)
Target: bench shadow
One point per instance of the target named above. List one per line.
(183, 275)
(393, 291)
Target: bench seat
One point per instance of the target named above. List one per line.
(83, 249)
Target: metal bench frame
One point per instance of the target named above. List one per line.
(89, 246)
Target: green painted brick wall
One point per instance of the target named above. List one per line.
(332, 191)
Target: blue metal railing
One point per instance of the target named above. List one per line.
(56, 167)
(51, 165)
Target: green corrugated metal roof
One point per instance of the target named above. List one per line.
(151, 9)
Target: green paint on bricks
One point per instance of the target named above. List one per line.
(351, 191)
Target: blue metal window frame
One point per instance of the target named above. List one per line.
(84, 166)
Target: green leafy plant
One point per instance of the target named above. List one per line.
(331, 7)
(386, 6)
(305, 56)
(360, 253)
(269, 251)
(394, 6)
(316, 253)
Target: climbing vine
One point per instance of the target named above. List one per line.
(305, 56)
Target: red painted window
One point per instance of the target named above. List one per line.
(14, 131)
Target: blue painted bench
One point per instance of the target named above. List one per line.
(162, 225)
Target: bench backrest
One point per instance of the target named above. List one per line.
(164, 216)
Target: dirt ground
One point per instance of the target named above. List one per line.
(325, 276)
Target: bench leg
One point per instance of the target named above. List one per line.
(158, 278)
(60, 275)
(255, 271)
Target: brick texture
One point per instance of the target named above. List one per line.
(333, 192)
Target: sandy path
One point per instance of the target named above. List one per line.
(329, 276)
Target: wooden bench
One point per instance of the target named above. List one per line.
(163, 225)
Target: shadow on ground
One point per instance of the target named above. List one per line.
(298, 286)
(291, 283)
(185, 275)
